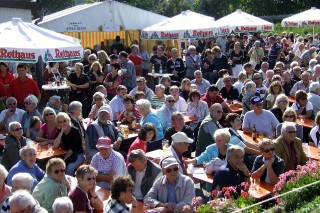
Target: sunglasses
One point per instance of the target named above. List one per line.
(51, 113)
(63, 121)
(59, 170)
(27, 103)
(174, 169)
(292, 132)
(17, 129)
(91, 178)
(289, 116)
(10, 104)
(171, 101)
(257, 78)
(269, 150)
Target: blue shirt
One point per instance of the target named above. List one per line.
(152, 118)
(171, 193)
(211, 152)
(36, 172)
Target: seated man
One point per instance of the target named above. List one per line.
(180, 144)
(212, 97)
(264, 121)
(234, 172)
(202, 84)
(159, 98)
(165, 112)
(101, 127)
(173, 190)
(56, 104)
(109, 163)
(289, 148)
(143, 172)
(11, 114)
(27, 164)
(116, 103)
(142, 86)
(301, 85)
(229, 92)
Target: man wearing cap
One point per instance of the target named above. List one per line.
(165, 112)
(234, 172)
(101, 127)
(264, 120)
(116, 103)
(143, 172)
(173, 190)
(208, 127)
(109, 163)
(180, 144)
(142, 86)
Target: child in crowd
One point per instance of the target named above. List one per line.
(34, 128)
(130, 120)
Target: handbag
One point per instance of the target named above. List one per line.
(214, 165)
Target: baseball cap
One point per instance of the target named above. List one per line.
(255, 100)
(181, 137)
(105, 109)
(104, 142)
(169, 162)
(140, 79)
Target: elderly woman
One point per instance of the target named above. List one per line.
(98, 100)
(302, 106)
(281, 104)
(84, 197)
(256, 54)
(13, 143)
(49, 128)
(289, 147)
(79, 83)
(5, 191)
(249, 92)
(216, 150)
(242, 77)
(75, 108)
(53, 185)
(30, 103)
(193, 62)
(20, 181)
(144, 108)
(69, 138)
(315, 132)
(129, 102)
(113, 80)
(185, 88)
(62, 205)
(289, 115)
(314, 96)
(27, 164)
(197, 110)
(268, 166)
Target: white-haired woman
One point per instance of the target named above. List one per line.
(314, 96)
(281, 104)
(75, 109)
(193, 62)
(62, 205)
(30, 103)
(69, 139)
(256, 54)
(49, 128)
(5, 190)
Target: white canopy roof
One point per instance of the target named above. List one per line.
(106, 16)
(188, 24)
(240, 22)
(25, 42)
(309, 17)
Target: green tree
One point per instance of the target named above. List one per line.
(51, 6)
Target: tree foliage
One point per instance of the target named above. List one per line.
(51, 6)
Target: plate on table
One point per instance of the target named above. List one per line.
(2, 137)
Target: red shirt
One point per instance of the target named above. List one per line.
(116, 78)
(136, 60)
(2, 90)
(7, 78)
(136, 114)
(20, 90)
(217, 99)
(137, 144)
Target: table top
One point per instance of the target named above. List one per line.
(155, 155)
(308, 123)
(236, 108)
(265, 190)
(291, 99)
(311, 151)
(157, 75)
(45, 153)
(247, 137)
(198, 173)
(55, 87)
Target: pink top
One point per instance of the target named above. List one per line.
(49, 135)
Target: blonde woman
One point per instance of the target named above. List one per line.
(256, 55)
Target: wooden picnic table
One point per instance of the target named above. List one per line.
(291, 99)
(236, 108)
(264, 190)
(308, 123)
(311, 151)
(44, 153)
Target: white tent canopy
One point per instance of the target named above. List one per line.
(188, 24)
(100, 16)
(241, 22)
(309, 17)
(25, 42)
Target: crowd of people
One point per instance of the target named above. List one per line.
(259, 72)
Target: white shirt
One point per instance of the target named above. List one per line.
(137, 186)
(181, 105)
(17, 116)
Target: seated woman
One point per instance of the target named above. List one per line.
(274, 91)
(129, 104)
(315, 132)
(216, 150)
(30, 103)
(166, 81)
(13, 143)
(98, 100)
(84, 197)
(281, 104)
(49, 129)
(69, 139)
(53, 185)
(268, 166)
(302, 106)
(290, 115)
(34, 128)
(185, 88)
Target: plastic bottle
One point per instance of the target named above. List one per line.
(254, 132)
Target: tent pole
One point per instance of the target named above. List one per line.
(313, 35)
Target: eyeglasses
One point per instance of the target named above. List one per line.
(269, 150)
(91, 178)
(292, 132)
(59, 170)
(174, 169)
(63, 121)
(17, 129)
(27, 103)
(171, 101)
(257, 78)
(289, 116)
(10, 104)
(51, 113)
